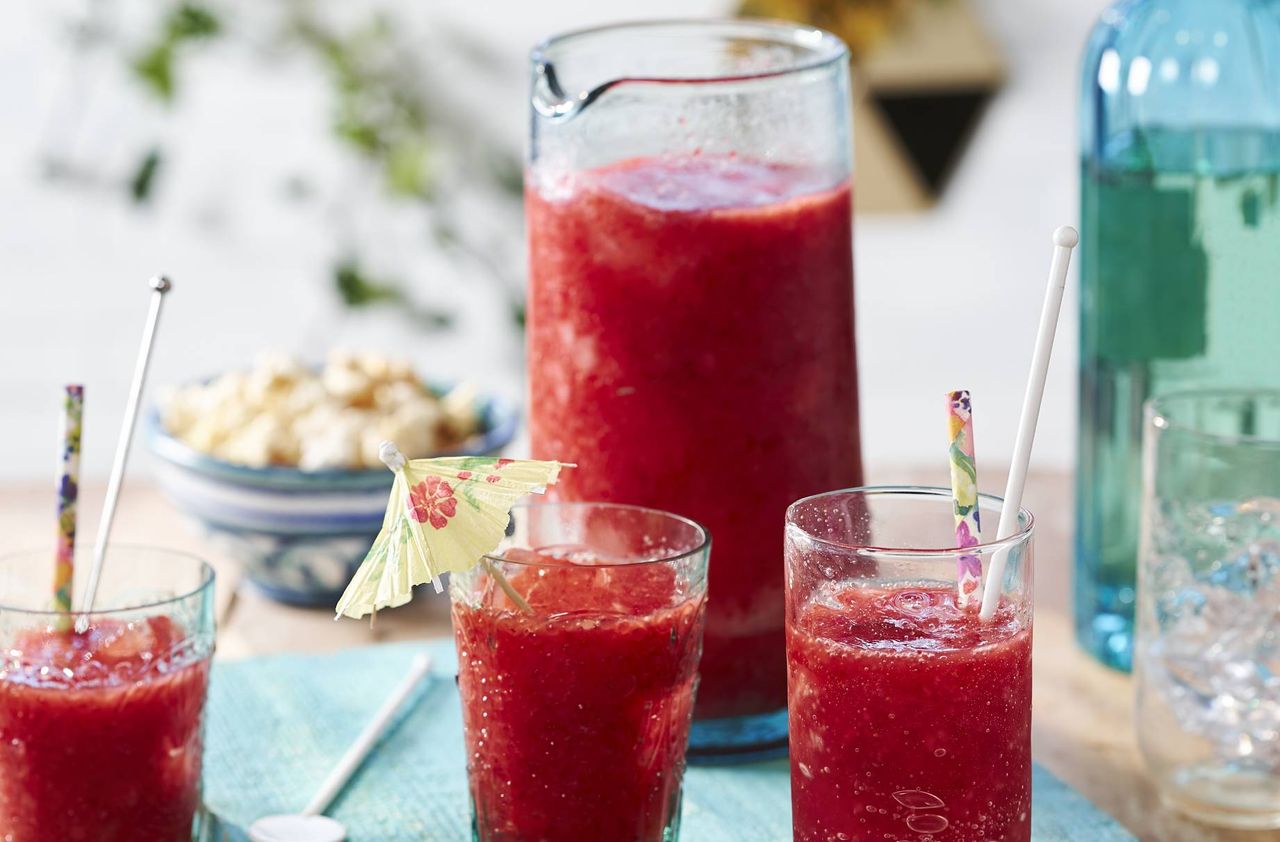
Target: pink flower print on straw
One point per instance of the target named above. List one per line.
(964, 493)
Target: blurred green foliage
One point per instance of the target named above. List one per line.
(379, 118)
(385, 111)
(184, 23)
(144, 177)
(359, 290)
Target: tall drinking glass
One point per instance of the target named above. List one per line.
(1208, 642)
(691, 306)
(578, 646)
(910, 716)
(101, 729)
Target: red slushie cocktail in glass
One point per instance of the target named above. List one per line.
(909, 714)
(577, 707)
(691, 332)
(101, 728)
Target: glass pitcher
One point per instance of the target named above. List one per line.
(690, 321)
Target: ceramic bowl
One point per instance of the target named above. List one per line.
(299, 534)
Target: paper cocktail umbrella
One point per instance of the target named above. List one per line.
(444, 515)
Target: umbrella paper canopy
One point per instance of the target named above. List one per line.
(443, 515)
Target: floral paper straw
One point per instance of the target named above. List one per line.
(68, 491)
(964, 493)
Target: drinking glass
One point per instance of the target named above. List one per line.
(910, 715)
(1208, 643)
(691, 306)
(102, 715)
(578, 644)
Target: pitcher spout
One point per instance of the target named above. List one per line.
(550, 100)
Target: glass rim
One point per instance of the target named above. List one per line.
(920, 491)
(824, 47)
(1158, 413)
(703, 545)
(207, 577)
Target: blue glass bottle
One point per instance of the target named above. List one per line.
(1180, 253)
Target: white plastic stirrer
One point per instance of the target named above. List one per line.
(159, 286)
(310, 825)
(1064, 240)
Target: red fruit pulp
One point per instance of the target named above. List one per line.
(100, 735)
(691, 349)
(577, 715)
(909, 716)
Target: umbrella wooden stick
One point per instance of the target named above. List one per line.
(506, 586)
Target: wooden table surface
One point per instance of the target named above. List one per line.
(1083, 711)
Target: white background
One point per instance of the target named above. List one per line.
(946, 299)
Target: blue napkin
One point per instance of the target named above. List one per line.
(277, 725)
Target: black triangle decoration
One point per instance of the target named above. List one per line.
(933, 126)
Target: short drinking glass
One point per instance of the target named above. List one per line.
(101, 726)
(578, 646)
(910, 715)
(1208, 643)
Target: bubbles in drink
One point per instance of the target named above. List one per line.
(710, 182)
(924, 618)
(125, 643)
(927, 823)
(918, 799)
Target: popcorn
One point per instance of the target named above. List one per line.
(282, 413)
(415, 427)
(347, 382)
(273, 377)
(388, 396)
(334, 446)
(263, 441)
(460, 417)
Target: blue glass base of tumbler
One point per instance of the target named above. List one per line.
(1109, 638)
(1104, 628)
(739, 739)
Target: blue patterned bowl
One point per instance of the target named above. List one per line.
(299, 534)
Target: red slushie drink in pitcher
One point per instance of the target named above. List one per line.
(691, 348)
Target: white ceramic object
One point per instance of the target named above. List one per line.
(297, 829)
